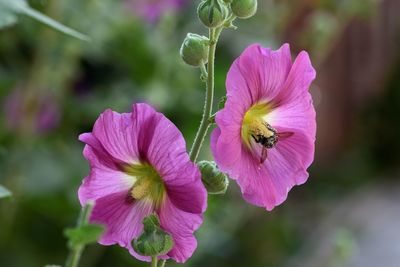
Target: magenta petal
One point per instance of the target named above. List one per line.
(285, 167)
(159, 141)
(298, 114)
(258, 74)
(122, 218)
(102, 180)
(114, 132)
(299, 79)
(180, 225)
(164, 147)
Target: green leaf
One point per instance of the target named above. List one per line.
(52, 265)
(52, 23)
(9, 9)
(221, 103)
(4, 192)
(8, 12)
(83, 235)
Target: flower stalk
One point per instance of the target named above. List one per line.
(154, 261)
(76, 251)
(214, 34)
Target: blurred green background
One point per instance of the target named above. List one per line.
(53, 87)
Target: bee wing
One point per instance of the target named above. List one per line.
(285, 135)
(264, 154)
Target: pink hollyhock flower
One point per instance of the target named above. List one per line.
(139, 166)
(266, 131)
(152, 10)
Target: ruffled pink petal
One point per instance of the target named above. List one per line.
(180, 225)
(190, 197)
(159, 141)
(298, 114)
(298, 81)
(268, 184)
(258, 74)
(102, 180)
(115, 133)
(164, 147)
(122, 218)
(226, 147)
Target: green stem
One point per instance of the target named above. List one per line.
(163, 263)
(154, 261)
(76, 252)
(207, 111)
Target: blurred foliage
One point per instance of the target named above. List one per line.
(131, 60)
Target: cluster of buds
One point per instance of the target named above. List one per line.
(153, 242)
(214, 14)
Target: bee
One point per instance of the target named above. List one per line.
(264, 134)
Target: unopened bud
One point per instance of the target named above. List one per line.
(213, 179)
(244, 9)
(194, 49)
(212, 13)
(153, 241)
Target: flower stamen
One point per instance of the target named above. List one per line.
(148, 184)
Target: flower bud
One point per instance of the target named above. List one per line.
(212, 13)
(153, 241)
(194, 49)
(244, 9)
(215, 181)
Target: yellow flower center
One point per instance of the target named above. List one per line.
(148, 184)
(253, 125)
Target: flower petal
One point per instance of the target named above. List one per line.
(268, 184)
(258, 74)
(226, 148)
(298, 114)
(102, 179)
(115, 133)
(164, 147)
(298, 81)
(180, 225)
(122, 218)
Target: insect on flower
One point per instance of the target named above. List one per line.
(266, 131)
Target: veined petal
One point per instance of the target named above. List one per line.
(298, 114)
(268, 184)
(122, 218)
(115, 133)
(301, 75)
(102, 180)
(258, 74)
(180, 225)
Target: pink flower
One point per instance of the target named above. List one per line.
(266, 131)
(139, 166)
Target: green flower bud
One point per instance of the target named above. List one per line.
(213, 179)
(153, 241)
(194, 49)
(212, 13)
(244, 9)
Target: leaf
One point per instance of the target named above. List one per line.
(221, 103)
(8, 12)
(53, 24)
(52, 265)
(4, 192)
(83, 235)
(9, 9)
